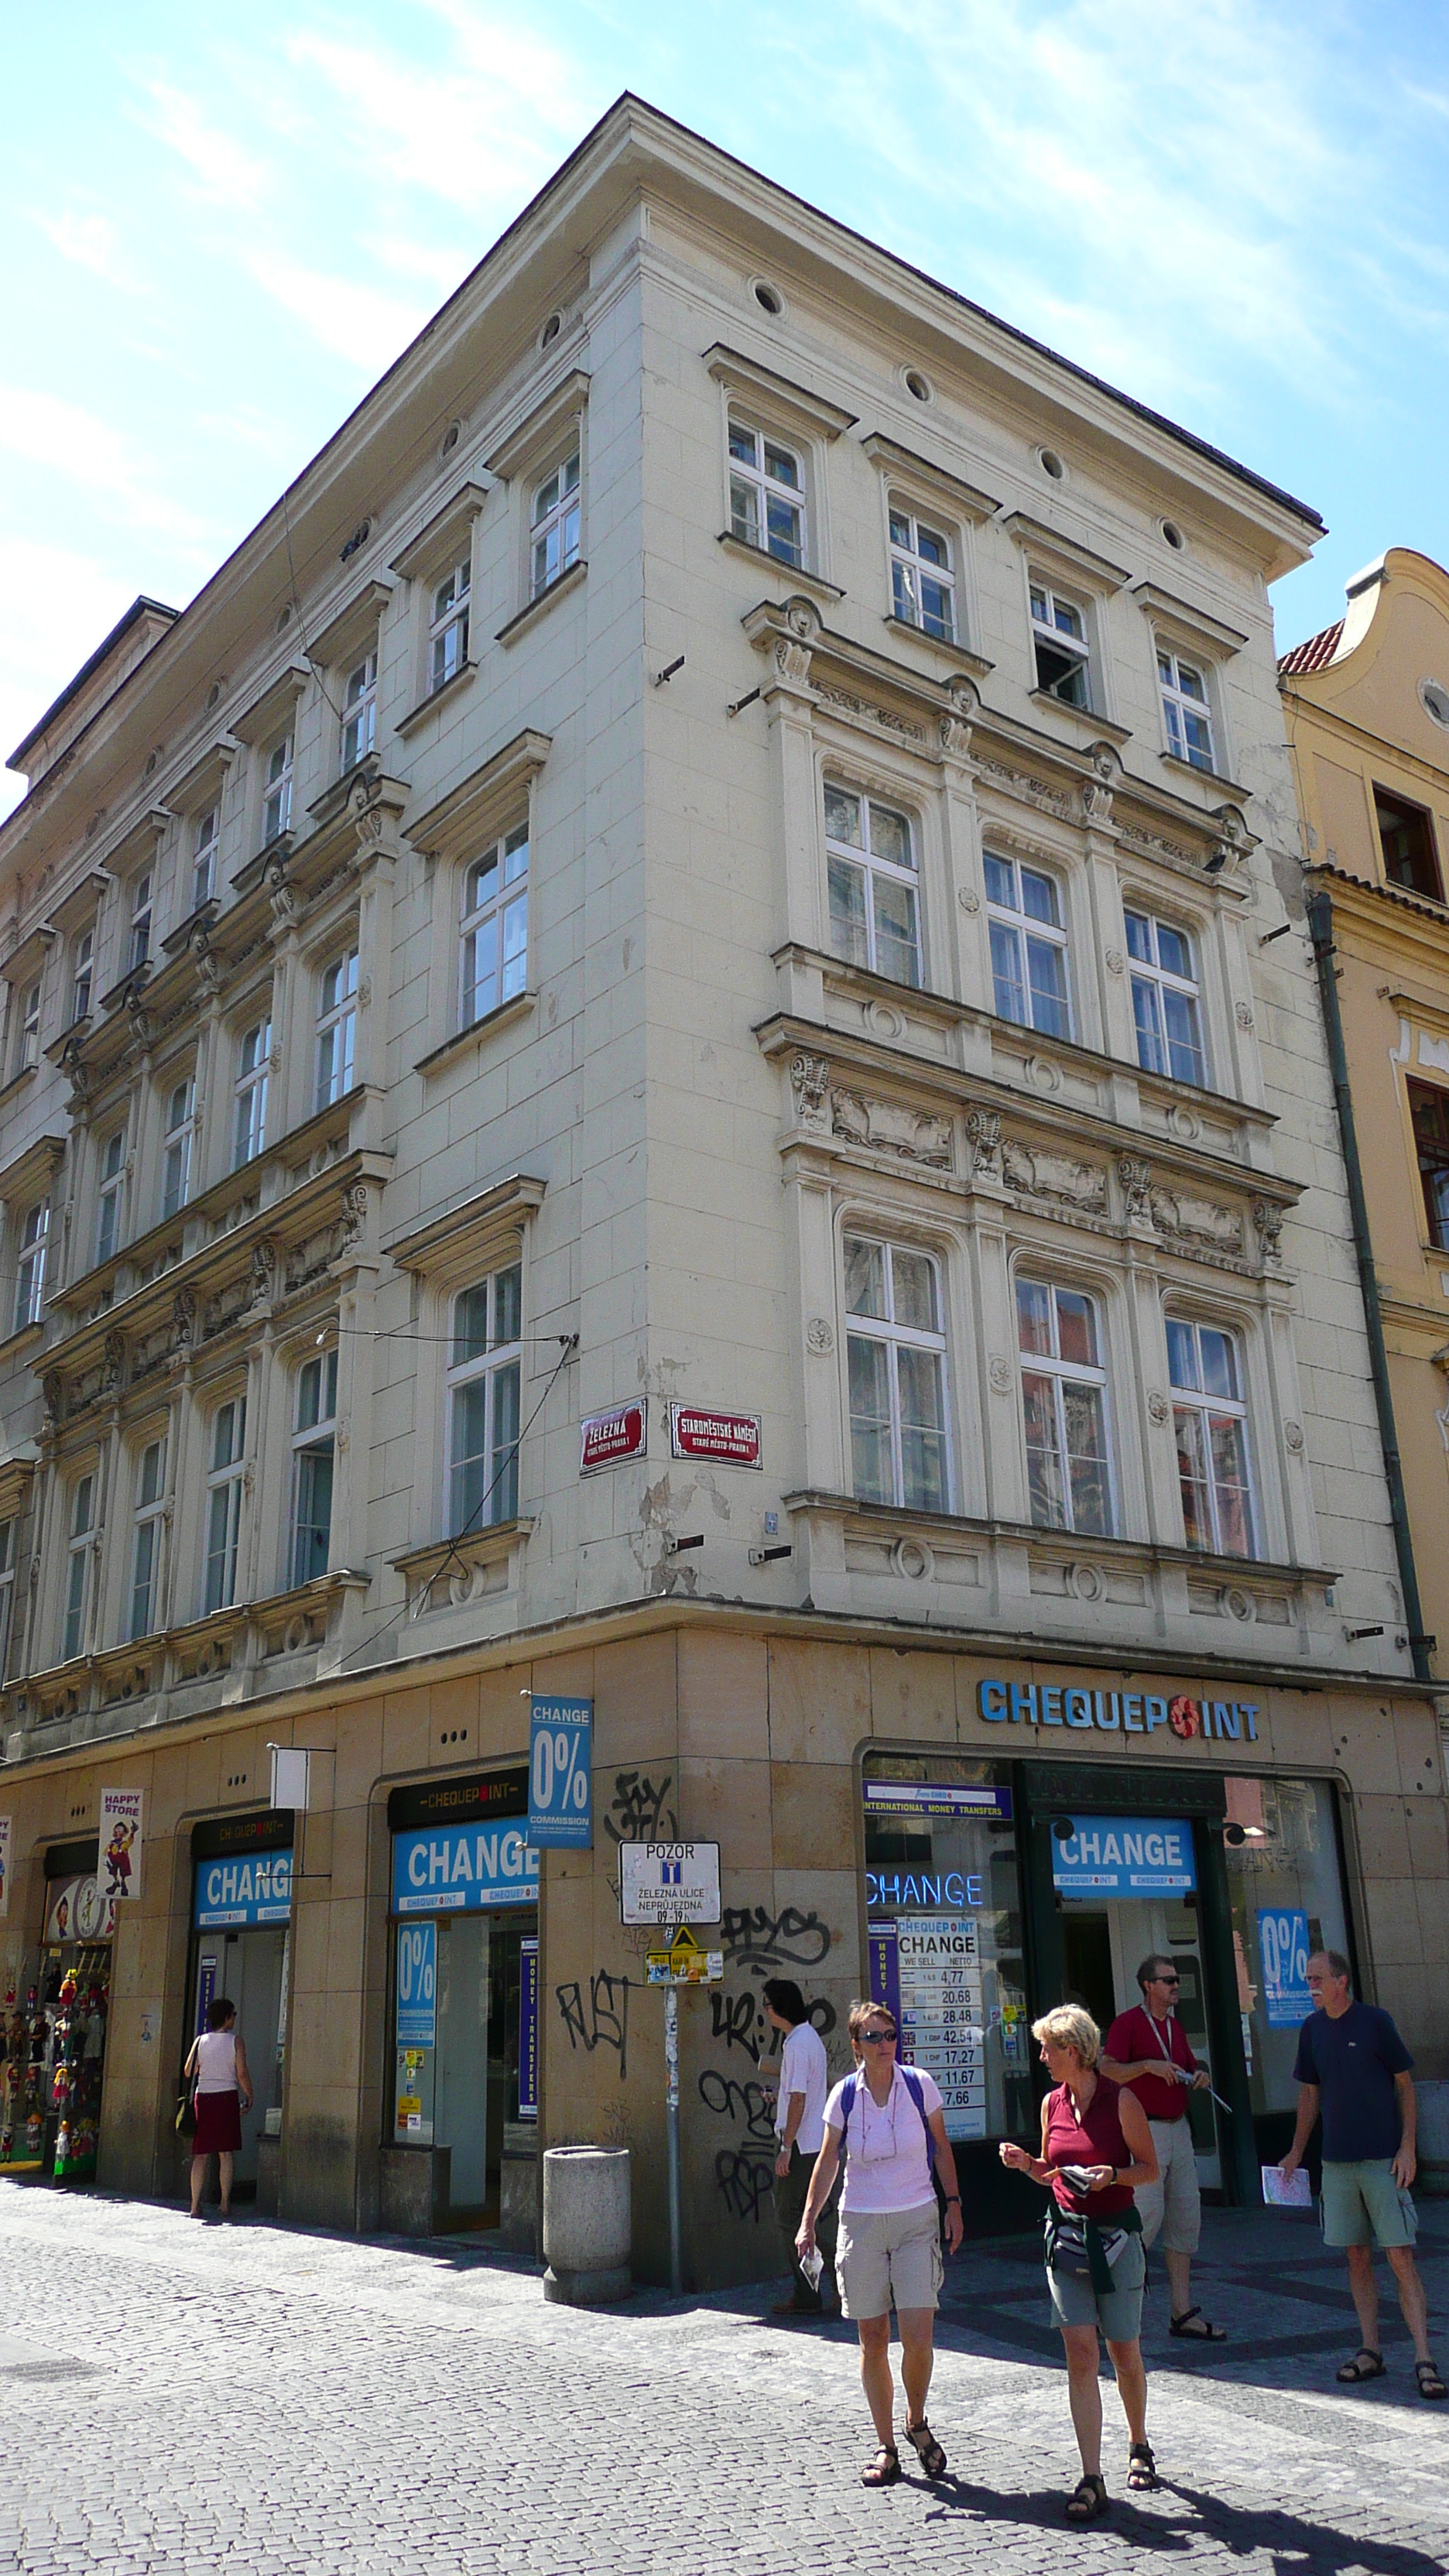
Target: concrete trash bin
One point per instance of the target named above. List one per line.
(586, 2225)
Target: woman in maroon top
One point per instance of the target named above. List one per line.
(1096, 2147)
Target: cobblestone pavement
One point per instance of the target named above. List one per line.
(178, 2398)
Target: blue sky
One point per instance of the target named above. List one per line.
(219, 226)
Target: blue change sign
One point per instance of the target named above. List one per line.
(456, 1869)
(1125, 1856)
(560, 1797)
(254, 1888)
(417, 1985)
(1283, 1949)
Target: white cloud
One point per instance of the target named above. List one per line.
(67, 602)
(89, 241)
(355, 321)
(221, 169)
(62, 439)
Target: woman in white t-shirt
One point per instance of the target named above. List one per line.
(217, 2059)
(889, 2252)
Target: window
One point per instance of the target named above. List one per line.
(176, 1146)
(277, 797)
(1407, 835)
(254, 1063)
(28, 1049)
(1028, 946)
(495, 927)
(1064, 1396)
(554, 526)
(484, 1380)
(140, 949)
(7, 1593)
(78, 1565)
(767, 495)
(1211, 1422)
(150, 1521)
(359, 712)
(1429, 1109)
(224, 1503)
(923, 589)
(871, 867)
(203, 857)
(82, 968)
(896, 1363)
(113, 1182)
(337, 1028)
(448, 627)
(1165, 1008)
(1185, 710)
(1059, 634)
(30, 1267)
(313, 1447)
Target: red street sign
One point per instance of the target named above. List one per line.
(607, 1439)
(731, 1438)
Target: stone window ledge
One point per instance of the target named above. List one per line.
(517, 1007)
(539, 606)
(461, 679)
(486, 1560)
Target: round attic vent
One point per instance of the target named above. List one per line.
(1434, 699)
(551, 330)
(768, 297)
(1172, 535)
(1050, 463)
(918, 384)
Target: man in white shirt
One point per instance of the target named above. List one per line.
(799, 2135)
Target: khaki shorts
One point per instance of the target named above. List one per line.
(889, 2258)
(1363, 2205)
(1173, 2203)
(1117, 2311)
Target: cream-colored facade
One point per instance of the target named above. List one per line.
(878, 719)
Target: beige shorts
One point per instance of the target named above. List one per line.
(1172, 2206)
(889, 2258)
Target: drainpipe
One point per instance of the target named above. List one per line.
(1320, 928)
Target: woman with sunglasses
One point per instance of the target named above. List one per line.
(888, 2121)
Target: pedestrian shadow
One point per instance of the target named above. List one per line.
(1286, 2540)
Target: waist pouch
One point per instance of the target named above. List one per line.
(1075, 2243)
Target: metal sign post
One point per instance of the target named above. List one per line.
(671, 2130)
(672, 1885)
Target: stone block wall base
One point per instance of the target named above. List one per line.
(416, 2189)
(518, 2204)
(269, 2159)
(588, 2289)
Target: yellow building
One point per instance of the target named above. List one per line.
(1367, 709)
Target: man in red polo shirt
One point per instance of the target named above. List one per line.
(1148, 2049)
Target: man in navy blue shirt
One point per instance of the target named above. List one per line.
(1353, 2066)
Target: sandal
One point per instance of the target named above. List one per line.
(1088, 2500)
(885, 2468)
(1366, 2364)
(923, 2441)
(1430, 2383)
(1142, 2476)
(1202, 2332)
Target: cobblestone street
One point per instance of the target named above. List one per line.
(175, 2398)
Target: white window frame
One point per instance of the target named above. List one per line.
(82, 974)
(359, 712)
(311, 1441)
(225, 1493)
(336, 1026)
(497, 1363)
(1068, 645)
(8, 1529)
(555, 522)
(896, 1338)
(32, 1239)
(448, 623)
(249, 1091)
(143, 904)
(1158, 981)
(1059, 1373)
(862, 860)
(493, 931)
(149, 1518)
(1013, 921)
(110, 1194)
(750, 488)
(912, 573)
(1230, 1409)
(178, 1143)
(277, 787)
(80, 1548)
(205, 843)
(1182, 711)
(27, 1048)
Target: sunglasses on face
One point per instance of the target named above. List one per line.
(1167, 1981)
(877, 2038)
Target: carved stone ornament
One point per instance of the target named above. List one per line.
(264, 1267)
(1096, 801)
(1243, 1015)
(955, 727)
(810, 1083)
(969, 899)
(1039, 1174)
(1085, 1583)
(999, 1372)
(1158, 1407)
(141, 1028)
(52, 1388)
(1197, 1224)
(1136, 1179)
(364, 993)
(1268, 1220)
(912, 1558)
(820, 1336)
(893, 1127)
(983, 1133)
(792, 659)
(803, 618)
(1115, 961)
(1293, 1437)
(114, 1364)
(183, 1319)
(354, 1215)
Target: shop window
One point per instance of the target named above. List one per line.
(224, 1490)
(1059, 643)
(80, 1549)
(150, 1522)
(1285, 1893)
(1429, 1108)
(254, 1064)
(1064, 1401)
(30, 1264)
(944, 1920)
(1406, 834)
(493, 954)
(113, 1183)
(359, 712)
(176, 1146)
(1210, 1417)
(923, 587)
(484, 1380)
(314, 1445)
(336, 1028)
(1166, 1009)
(767, 494)
(896, 1365)
(554, 527)
(874, 903)
(1028, 946)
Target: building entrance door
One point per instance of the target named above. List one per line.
(250, 1967)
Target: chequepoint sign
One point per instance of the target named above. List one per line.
(1186, 1721)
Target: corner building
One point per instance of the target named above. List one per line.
(734, 877)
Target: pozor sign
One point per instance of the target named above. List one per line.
(1185, 1721)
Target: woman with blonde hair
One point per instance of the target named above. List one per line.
(1096, 2149)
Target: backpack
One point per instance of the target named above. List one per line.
(912, 2083)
